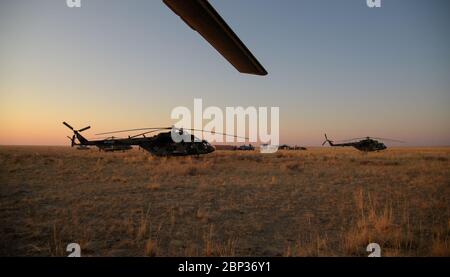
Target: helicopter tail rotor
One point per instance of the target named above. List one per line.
(76, 134)
(330, 142)
(72, 140)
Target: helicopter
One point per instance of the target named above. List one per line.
(245, 147)
(288, 147)
(203, 18)
(366, 144)
(160, 144)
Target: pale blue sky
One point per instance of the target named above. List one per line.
(334, 66)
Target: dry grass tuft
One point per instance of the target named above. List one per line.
(315, 246)
(375, 223)
(154, 186)
(119, 179)
(144, 226)
(292, 166)
(151, 248)
(215, 247)
(440, 246)
(191, 171)
(202, 214)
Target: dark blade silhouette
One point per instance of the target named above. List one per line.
(203, 18)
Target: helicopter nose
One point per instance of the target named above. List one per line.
(210, 148)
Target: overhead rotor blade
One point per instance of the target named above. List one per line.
(84, 129)
(132, 130)
(154, 129)
(393, 140)
(203, 18)
(102, 138)
(213, 132)
(141, 134)
(346, 140)
(68, 126)
(385, 139)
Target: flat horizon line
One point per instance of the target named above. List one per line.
(311, 146)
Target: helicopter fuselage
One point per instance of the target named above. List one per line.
(161, 144)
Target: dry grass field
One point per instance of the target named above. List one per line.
(320, 202)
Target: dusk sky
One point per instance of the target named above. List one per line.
(334, 66)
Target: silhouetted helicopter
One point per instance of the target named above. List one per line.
(287, 147)
(245, 147)
(366, 144)
(161, 144)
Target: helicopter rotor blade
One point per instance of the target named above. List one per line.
(392, 140)
(154, 129)
(102, 138)
(362, 138)
(204, 19)
(132, 130)
(68, 126)
(141, 134)
(111, 138)
(84, 129)
(347, 140)
(212, 132)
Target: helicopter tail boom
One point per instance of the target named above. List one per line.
(77, 135)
